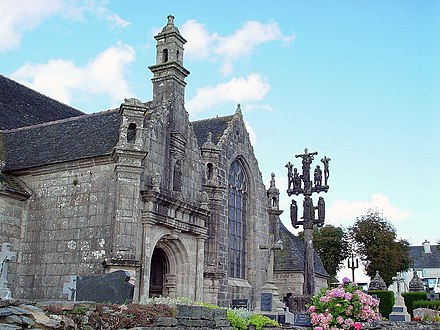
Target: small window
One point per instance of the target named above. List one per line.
(131, 133)
(165, 55)
(210, 171)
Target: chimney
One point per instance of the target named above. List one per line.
(426, 246)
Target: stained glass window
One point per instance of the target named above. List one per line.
(237, 205)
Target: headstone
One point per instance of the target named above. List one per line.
(400, 312)
(239, 303)
(302, 320)
(6, 256)
(266, 302)
(416, 284)
(432, 296)
(377, 283)
(110, 288)
(70, 288)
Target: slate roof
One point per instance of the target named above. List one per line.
(64, 140)
(425, 260)
(11, 184)
(291, 257)
(21, 106)
(217, 126)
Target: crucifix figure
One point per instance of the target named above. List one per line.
(6, 256)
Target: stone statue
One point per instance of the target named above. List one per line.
(325, 161)
(294, 214)
(309, 210)
(289, 175)
(307, 159)
(296, 180)
(321, 211)
(318, 176)
(177, 178)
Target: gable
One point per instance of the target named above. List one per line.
(217, 126)
(21, 106)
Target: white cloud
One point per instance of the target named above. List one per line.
(199, 41)
(237, 90)
(251, 132)
(61, 79)
(227, 49)
(346, 211)
(244, 41)
(18, 17)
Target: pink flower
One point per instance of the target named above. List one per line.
(319, 328)
(312, 309)
(357, 326)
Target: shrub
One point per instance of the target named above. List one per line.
(410, 298)
(241, 318)
(343, 307)
(386, 299)
(431, 304)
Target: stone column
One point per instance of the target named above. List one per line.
(146, 262)
(200, 255)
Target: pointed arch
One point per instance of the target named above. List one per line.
(237, 218)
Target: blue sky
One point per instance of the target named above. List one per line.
(356, 81)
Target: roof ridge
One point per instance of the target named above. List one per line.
(213, 118)
(37, 92)
(59, 121)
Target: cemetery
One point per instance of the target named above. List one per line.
(108, 226)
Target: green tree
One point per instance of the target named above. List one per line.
(333, 247)
(378, 246)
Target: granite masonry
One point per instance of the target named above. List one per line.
(180, 206)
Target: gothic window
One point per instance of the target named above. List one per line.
(237, 206)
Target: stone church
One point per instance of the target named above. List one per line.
(181, 206)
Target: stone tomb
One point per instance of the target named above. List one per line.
(110, 288)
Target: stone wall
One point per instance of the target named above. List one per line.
(11, 213)
(235, 144)
(68, 229)
(292, 282)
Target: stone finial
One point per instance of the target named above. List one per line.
(273, 193)
(238, 108)
(416, 283)
(377, 283)
(170, 20)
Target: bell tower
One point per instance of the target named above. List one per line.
(169, 73)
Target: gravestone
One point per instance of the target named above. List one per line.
(6, 256)
(266, 302)
(416, 284)
(302, 320)
(110, 288)
(239, 303)
(400, 312)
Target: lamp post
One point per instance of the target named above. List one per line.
(352, 264)
(302, 185)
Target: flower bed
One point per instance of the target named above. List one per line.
(344, 307)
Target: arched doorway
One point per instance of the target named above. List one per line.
(159, 268)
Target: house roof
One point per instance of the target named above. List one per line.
(21, 106)
(64, 140)
(291, 257)
(425, 260)
(217, 126)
